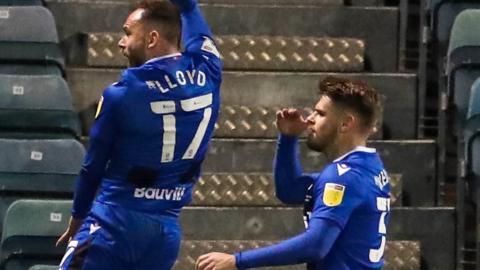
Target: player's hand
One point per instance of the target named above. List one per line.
(184, 5)
(291, 122)
(73, 226)
(215, 261)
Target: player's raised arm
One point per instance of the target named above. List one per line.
(194, 27)
(290, 183)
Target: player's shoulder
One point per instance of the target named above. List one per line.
(341, 172)
(205, 49)
(115, 91)
(339, 178)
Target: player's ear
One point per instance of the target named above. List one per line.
(153, 38)
(348, 122)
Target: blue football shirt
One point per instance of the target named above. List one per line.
(353, 192)
(152, 129)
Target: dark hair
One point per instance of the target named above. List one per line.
(165, 17)
(356, 96)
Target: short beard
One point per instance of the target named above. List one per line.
(324, 144)
(136, 59)
(315, 146)
(135, 62)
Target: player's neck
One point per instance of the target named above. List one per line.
(344, 146)
(160, 52)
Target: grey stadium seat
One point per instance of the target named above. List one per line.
(463, 61)
(38, 169)
(29, 36)
(31, 229)
(36, 104)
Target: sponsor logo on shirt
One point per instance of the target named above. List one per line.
(342, 169)
(160, 194)
(333, 194)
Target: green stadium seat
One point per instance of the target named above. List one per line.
(473, 112)
(37, 104)
(38, 169)
(29, 36)
(442, 15)
(30, 69)
(463, 62)
(31, 229)
(43, 267)
(470, 151)
(21, 3)
(472, 136)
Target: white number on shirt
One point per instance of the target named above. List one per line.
(167, 108)
(383, 204)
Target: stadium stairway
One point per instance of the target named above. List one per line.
(234, 206)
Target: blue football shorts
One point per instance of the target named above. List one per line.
(124, 239)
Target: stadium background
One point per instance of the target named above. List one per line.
(57, 56)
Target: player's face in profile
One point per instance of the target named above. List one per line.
(323, 125)
(132, 43)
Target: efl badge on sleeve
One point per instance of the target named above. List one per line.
(210, 47)
(333, 194)
(99, 107)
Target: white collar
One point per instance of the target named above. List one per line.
(357, 149)
(163, 57)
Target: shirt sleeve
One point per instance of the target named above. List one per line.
(310, 246)
(196, 34)
(291, 183)
(98, 154)
(338, 192)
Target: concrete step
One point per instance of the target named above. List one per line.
(398, 254)
(246, 52)
(414, 160)
(268, 90)
(74, 17)
(255, 189)
(433, 227)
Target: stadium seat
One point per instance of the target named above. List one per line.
(21, 3)
(29, 36)
(470, 151)
(463, 62)
(36, 104)
(30, 69)
(31, 229)
(472, 140)
(473, 111)
(43, 267)
(38, 169)
(442, 15)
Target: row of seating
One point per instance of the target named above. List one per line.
(39, 129)
(460, 111)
